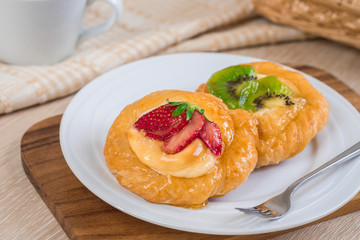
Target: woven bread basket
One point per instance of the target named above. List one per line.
(338, 20)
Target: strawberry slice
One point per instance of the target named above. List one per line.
(211, 136)
(184, 137)
(160, 123)
(178, 124)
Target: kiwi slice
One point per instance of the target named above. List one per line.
(265, 91)
(239, 87)
(227, 83)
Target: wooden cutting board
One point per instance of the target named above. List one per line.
(82, 215)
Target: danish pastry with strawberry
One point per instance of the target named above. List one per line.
(289, 110)
(181, 148)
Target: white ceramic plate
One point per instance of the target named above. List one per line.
(88, 117)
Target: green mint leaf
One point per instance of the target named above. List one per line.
(179, 110)
(202, 112)
(173, 104)
(199, 110)
(190, 112)
(170, 104)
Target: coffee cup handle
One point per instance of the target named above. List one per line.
(92, 31)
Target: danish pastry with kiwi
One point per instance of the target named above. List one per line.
(289, 110)
(181, 148)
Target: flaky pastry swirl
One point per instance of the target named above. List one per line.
(231, 169)
(285, 131)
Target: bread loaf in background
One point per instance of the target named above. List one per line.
(338, 20)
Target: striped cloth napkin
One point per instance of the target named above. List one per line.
(146, 28)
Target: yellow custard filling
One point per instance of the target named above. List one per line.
(193, 161)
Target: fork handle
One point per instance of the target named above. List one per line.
(348, 154)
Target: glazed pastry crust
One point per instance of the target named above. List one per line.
(285, 132)
(231, 169)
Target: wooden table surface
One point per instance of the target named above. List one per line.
(23, 214)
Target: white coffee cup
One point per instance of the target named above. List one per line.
(37, 32)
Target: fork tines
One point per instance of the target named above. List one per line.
(261, 211)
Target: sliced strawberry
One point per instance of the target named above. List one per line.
(160, 124)
(167, 132)
(181, 139)
(211, 136)
(178, 124)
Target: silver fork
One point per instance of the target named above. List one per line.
(279, 206)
